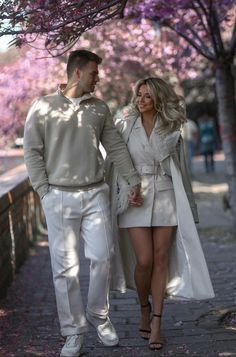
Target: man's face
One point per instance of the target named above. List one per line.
(88, 77)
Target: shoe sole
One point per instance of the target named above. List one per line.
(81, 351)
(108, 344)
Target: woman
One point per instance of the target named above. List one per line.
(163, 243)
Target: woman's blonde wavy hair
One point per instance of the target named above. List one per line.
(170, 107)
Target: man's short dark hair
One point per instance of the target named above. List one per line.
(79, 58)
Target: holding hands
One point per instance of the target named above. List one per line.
(135, 198)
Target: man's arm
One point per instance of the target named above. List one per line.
(118, 153)
(34, 149)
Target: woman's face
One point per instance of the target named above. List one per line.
(144, 101)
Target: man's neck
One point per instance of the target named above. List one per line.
(72, 90)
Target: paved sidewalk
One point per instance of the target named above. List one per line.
(28, 319)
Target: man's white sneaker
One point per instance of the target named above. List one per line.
(106, 332)
(72, 346)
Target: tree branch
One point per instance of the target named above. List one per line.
(201, 43)
(71, 43)
(232, 48)
(207, 15)
(71, 21)
(206, 54)
(200, 16)
(202, 7)
(214, 30)
(122, 9)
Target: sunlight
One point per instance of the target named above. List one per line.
(33, 352)
(97, 221)
(103, 151)
(44, 108)
(42, 244)
(2, 313)
(213, 188)
(79, 117)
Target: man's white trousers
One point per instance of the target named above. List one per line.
(69, 216)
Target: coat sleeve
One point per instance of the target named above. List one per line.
(186, 178)
(117, 151)
(123, 260)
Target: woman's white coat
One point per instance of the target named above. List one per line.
(188, 273)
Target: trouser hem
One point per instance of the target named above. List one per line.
(74, 331)
(99, 316)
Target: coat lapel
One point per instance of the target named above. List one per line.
(164, 144)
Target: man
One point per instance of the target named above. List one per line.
(65, 166)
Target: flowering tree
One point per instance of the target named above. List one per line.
(129, 53)
(207, 26)
(60, 22)
(21, 81)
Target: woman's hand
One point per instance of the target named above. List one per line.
(135, 198)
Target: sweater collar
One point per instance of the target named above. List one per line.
(62, 86)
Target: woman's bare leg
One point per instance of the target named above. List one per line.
(162, 240)
(141, 239)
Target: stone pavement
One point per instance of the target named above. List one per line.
(28, 319)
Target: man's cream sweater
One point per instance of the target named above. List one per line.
(61, 144)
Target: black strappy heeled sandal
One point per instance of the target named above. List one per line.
(156, 342)
(141, 330)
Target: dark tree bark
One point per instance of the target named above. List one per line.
(225, 91)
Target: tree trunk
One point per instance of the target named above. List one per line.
(225, 91)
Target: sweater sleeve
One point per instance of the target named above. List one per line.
(34, 149)
(117, 151)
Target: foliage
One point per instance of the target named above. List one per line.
(59, 22)
(202, 23)
(154, 38)
(21, 81)
(130, 51)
